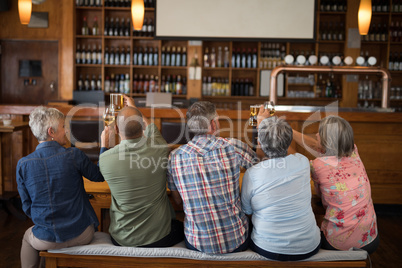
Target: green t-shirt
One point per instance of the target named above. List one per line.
(140, 212)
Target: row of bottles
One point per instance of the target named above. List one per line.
(333, 5)
(148, 29)
(396, 93)
(118, 56)
(327, 88)
(219, 59)
(89, 84)
(117, 83)
(86, 30)
(145, 83)
(244, 58)
(395, 31)
(215, 86)
(395, 62)
(369, 89)
(272, 55)
(397, 6)
(174, 84)
(115, 27)
(88, 56)
(174, 57)
(145, 56)
(242, 87)
(380, 5)
(89, 3)
(377, 33)
(332, 32)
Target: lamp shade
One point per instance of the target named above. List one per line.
(137, 13)
(364, 16)
(25, 10)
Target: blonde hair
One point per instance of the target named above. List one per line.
(336, 136)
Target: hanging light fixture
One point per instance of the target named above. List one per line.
(137, 13)
(364, 16)
(25, 10)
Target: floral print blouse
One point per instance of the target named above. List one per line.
(344, 187)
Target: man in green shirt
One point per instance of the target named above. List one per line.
(135, 169)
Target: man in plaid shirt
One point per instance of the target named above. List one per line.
(204, 176)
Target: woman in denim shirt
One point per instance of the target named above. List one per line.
(52, 191)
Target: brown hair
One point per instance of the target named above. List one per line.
(336, 136)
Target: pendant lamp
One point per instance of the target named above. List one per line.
(364, 16)
(25, 10)
(137, 13)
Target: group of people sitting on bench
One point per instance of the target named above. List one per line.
(272, 214)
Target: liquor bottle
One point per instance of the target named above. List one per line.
(135, 56)
(167, 56)
(167, 84)
(111, 56)
(127, 28)
(111, 27)
(146, 84)
(128, 56)
(85, 29)
(178, 56)
(163, 57)
(145, 56)
(172, 86)
(117, 56)
(151, 83)
(140, 56)
(88, 56)
(156, 56)
(173, 57)
(83, 55)
(95, 27)
(112, 82)
(99, 55)
(238, 58)
(150, 28)
(384, 32)
(226, 57)
(243, 59)
(184, 90)
(106, 30)
(86, 83)
(144, 31)
(163, 83)
(233, 58)
(156, 84)
(116, 27)
(179, 86)
(254, 59)
(94, 55)
(184, 59)
(99, 83)
(127, 84)
(206, 57)
(212, 58)
(116, 83)
(80, 83)
(93, 83)
(122, 27)
(122, 56)
(378, 33)
(106, 55)
(248, 60)
(135, 83)
(78, 55)
(219, 60)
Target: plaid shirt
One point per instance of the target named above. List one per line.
(206, 173)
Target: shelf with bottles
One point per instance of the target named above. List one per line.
(329, 6)
(395, 60)
(215, 85)
(88, 23)
(216, 55)
(395, 30)
(88, 54)
(244, 55)
(148, 27)
(117, 82)
(117, 25)
(271, 55)
(332, 29)
(378, 31)
(175, 84)
(372, 50)
(174, 54)
(145, 53)
(117, 54)
(88, 80)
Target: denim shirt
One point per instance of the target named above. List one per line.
(52, 191)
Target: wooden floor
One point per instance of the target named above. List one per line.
(389, 253)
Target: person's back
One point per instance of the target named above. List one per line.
(135, 170)
(206, 173)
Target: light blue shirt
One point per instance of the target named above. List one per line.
(277, 193)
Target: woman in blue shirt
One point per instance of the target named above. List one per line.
(52, 191)
(277, 193)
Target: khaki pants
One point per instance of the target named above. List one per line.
(31, 246)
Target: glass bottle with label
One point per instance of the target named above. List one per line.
(85, 29)
(95, 27)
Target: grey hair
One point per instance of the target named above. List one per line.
(336, 136)
(41, 119)
(199, 117)
(275, 136)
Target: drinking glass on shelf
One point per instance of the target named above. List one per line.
(109, 115)
(117, 100)
(254, 109)
(269, 105)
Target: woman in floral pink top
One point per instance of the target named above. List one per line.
(341, 181)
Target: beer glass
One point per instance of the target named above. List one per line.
(254, 109)
(269, 105)
(109, 115)
(117, 101)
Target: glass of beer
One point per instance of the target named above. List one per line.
(254, 109)
(117, 101)
(109, 115)
(269, 105)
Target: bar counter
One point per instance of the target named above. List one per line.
(378, 136)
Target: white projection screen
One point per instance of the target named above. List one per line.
(236, 19)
